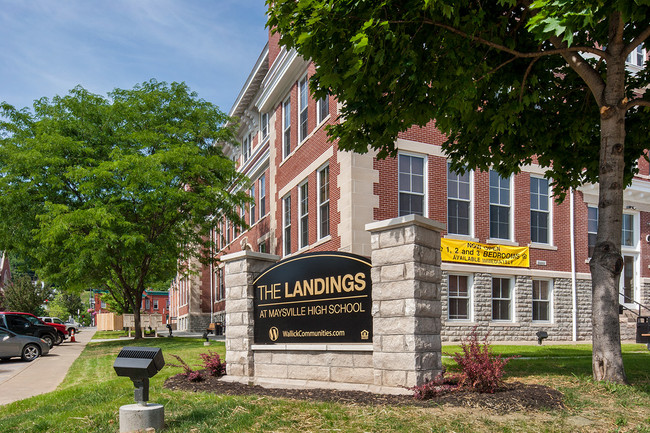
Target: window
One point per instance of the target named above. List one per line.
(262, 196)
(103, 304)
(155, 304)
(324, 202)
(541, 301)
(501, 299)
(637, 57)
(227, 233)
(628, 283)
(458, 202)
(262, 247)
(499, 206)
(627, 234)
(411, 185)
(459, 300)
(323, 108)
(303, 211)
(539, 210)
(253, 211)
(592, 229)
(286, 224)
(147, 304)
(303, 108)
(264, 126)
(286, 128)
(246, 147)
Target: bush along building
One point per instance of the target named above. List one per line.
(514, 261)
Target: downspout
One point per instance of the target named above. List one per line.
(211, 277)
(574, 289)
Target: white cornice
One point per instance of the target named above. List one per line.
(286, 70)
(252, 85)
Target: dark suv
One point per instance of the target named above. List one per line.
(24, 324)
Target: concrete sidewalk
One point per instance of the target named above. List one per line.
(44, 374)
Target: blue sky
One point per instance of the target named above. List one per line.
(49, 46)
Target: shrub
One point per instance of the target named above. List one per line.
(481, 370)
(439, 385)
(191, 375)
(212, 363)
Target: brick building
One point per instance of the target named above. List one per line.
(153, 302)
(309, 196)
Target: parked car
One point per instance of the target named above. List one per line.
(73, 325)
(67, 327)
(28, 324)
(61, 332)
(23, 346)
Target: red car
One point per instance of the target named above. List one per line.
(61, 331)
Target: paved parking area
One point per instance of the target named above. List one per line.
(20, 380)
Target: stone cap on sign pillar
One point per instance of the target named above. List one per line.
(249, 255)
(407, 220)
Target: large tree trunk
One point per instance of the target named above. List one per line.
(606, 263)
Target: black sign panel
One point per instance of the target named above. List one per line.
(322, 297)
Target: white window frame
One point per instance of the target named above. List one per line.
(252, 211)
(633, 57)
(634, 252)
(262, 183)
(286, 225)
(511, 310)
(510, 206)
(286, 128)
(549, 212)
(303, 214)
(470, 201)
(303, 109)
(155, 304)
(400, 189)
(319, 109)
(323, 205)
(469, 297)
(264, 126)
(549, 300)
(246, 147)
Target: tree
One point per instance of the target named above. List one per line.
(509, 83)
(65, 304)
(26, 295)
(112, 192)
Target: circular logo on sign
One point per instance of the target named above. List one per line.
(274, 333)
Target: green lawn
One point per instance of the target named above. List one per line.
(89, 399)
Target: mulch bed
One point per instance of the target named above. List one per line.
(514, 396)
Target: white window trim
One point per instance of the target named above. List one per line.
(320, 204)
(301, 215)
(511, 220)
(252, 211)
(551, 240)
(261, 181)
(286, 224)
(300, 109)
(425, 186)
(551, 305)
(320, 121)
(471, 208)
(265, 138)
(512, 300)
(470, 294)
(636, 227)
(285, 154)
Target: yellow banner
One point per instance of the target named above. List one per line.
(482, 254)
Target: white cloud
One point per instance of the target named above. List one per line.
(49, 47)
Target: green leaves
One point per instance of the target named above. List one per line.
(111, 192)
(478, 69)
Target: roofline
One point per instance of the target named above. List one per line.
(261, 65)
